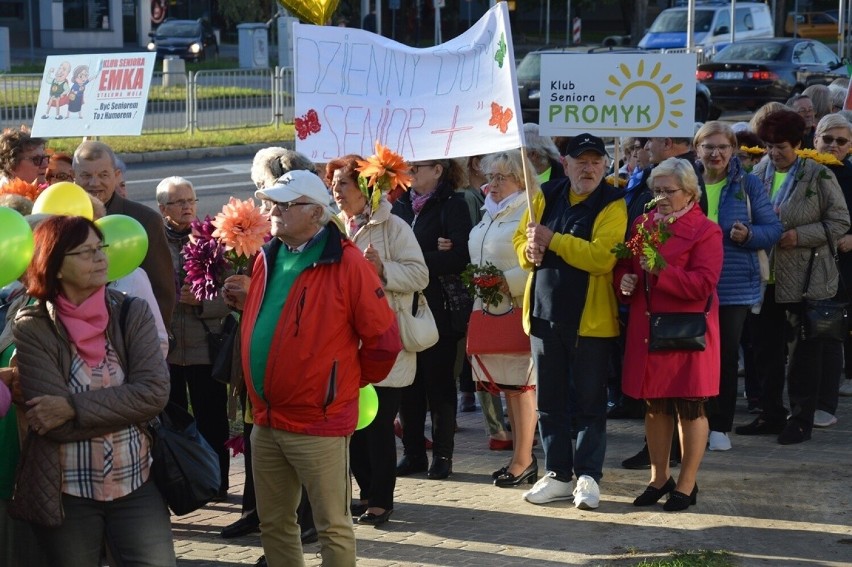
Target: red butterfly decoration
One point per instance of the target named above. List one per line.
(308, 124)
(500, 117)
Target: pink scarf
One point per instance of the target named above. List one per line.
(671, 217)
(86, 325)
(418, 201)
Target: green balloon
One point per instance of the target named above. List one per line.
(368, 406)
(16, 245)
(127, 244)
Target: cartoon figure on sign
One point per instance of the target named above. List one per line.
(59, 87)
(158, 11)
(80, 78)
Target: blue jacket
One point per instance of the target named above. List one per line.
(740, 280)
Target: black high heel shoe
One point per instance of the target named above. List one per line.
(679, 501)
(499, 472)
(652, 495)
(507, 479)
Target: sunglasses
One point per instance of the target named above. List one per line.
(60, 177)
(39, 161)
(831, 139)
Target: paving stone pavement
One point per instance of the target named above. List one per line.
(764, 503)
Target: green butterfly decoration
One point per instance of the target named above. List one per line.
(501, 50)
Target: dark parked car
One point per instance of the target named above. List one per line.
(193, 40)
(748, 74)
(529, 80)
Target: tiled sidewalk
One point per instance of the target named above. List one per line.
(764, 503)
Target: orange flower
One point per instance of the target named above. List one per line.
(385, 170)
(20, 187)
(241, 227)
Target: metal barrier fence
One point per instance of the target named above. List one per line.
(181, 102)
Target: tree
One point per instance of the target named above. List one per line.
(240, 11)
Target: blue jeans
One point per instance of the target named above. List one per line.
(137, 528)
(572, 381)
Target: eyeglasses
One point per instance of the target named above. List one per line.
(711, 149)
(88, 253)
(269, 205)
(415, 167)
(806, 110)
(183, 202)
(666, 192)
(497, 177)
(831, 139)
(60, 176)
(38, 161)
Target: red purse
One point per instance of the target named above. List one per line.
(491, 333)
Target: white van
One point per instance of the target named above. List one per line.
(712, 25)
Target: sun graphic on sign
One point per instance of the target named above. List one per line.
(663, 87)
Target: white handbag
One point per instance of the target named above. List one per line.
(417, 327)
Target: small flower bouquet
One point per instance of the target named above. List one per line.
(646, 242)
(753, 150)
(385, 170)
(819, 157)
(232, 238)
(616, 181)
(23, 188)
(484, 282)
(242, 229)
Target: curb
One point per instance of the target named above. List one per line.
(200, 153)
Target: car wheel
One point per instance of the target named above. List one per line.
(702, 110)
(715, 113)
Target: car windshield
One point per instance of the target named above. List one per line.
(749, 52)
(530, 67)
(178, 29)
(675, 21)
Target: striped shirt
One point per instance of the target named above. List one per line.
(110, 466)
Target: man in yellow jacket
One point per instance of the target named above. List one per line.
(571, 315)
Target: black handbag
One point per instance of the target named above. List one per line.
(184, 466)
(824, 319)
(221, 347)
(677, 331)
(457, 302)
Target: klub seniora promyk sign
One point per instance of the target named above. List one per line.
(635, 94)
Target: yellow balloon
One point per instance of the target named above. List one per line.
(314, 11)
(64, 198)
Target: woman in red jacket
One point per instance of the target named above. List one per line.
(673, 382)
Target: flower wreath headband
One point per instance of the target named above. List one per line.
(385, 170)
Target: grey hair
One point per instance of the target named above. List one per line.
(169, 182)
(682, 171)
(821, 98)
(510, 163)
(535, 142)
(838, 95)
(90, 151)
(271, 163)
(830, 121)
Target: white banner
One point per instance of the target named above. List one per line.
(93, 95)
(456, 99)
(632, 94)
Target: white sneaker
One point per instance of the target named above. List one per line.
(587, 495)
(548, 489)
(823, 419)
(719, 441)
(846, 388)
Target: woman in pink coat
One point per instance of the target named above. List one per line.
(673, 382)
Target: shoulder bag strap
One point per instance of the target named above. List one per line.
(833, 251)
(648, 295)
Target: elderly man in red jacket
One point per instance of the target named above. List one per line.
(316, 326)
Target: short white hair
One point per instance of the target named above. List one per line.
(166, 184)
(271, 163)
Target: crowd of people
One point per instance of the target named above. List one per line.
(736, 229)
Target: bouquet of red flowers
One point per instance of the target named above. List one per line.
(484, 282)
(646, 242)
